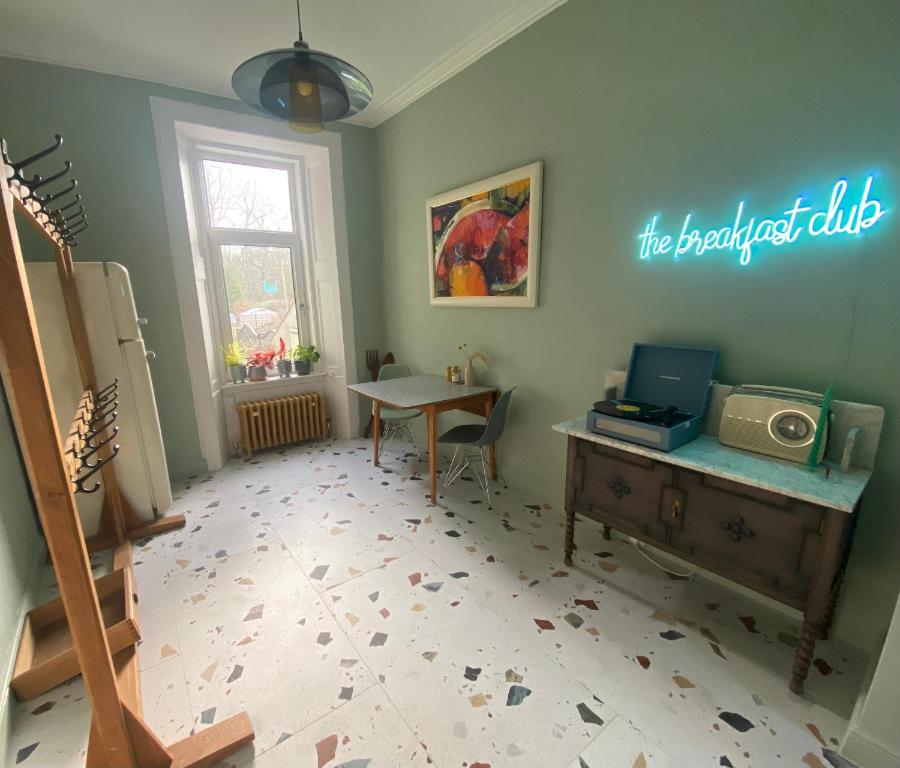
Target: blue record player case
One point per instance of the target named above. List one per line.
(667, 377)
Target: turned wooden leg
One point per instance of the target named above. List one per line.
(803, 656)
(825, 627)
(607, 533)
(570, 536)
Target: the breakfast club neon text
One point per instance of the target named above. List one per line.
(801, 219)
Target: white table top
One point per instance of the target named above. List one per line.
(840, 490)
(416, 391)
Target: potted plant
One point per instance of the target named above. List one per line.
(234, 359)
(258, 365)
(304, 357)
(284, 366)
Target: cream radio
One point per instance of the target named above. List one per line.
(775, 421)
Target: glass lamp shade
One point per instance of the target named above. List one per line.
(306, 88)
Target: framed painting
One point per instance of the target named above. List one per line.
(484, 241)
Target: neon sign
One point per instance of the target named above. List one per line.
(800, 220)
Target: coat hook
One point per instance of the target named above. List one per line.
(100, 402)
(18, 166)
(67, 225)
(79, 481)
(56, 195)
(105, 392)
(112, 434)
(73, 216)
(62, 208)
(85, 456)
(98, 414)
(97, 430)
(38, 181)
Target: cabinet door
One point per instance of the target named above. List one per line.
(621, 489)
(761, 539)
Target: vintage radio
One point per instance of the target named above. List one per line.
(774, 421)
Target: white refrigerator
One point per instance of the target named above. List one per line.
(114, 332)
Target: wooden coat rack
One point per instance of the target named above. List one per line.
(119, 736)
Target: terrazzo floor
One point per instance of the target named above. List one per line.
(361, 627)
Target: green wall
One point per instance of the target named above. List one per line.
(108, 130)
(651, 106)
(20, 547)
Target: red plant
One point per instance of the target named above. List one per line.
(261, 359)
(280, 353)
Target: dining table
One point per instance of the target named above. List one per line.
(431, 395)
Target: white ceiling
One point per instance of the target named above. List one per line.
(406, 47)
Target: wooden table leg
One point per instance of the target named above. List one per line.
(376, 430)
(809, 633)
(835, 531)
(431, 415)
(570, 536)
(492, 448)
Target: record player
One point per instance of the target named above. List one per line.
(665, 398)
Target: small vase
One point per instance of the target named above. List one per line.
(284, 368)
(303, 367)
(257, 373)
(469, 376)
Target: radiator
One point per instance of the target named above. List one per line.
(280, 421)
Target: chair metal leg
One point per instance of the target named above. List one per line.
(460, 462)
(393, 429)
(486, 487)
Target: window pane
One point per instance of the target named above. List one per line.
(259, 284)
(247, 196)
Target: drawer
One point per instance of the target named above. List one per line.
(760, 539)
(621, 489)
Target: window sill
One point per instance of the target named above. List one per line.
(273, 384)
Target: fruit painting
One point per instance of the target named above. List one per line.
(484, 241)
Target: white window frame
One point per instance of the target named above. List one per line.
(176, 124)
(297, 241)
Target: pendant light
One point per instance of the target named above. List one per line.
(305, 87)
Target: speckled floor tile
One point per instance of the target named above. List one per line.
(255, 636)
(50, 731)
(167, 706)
(470, 688)
(361, 626)
(366, 732)
(623, 746)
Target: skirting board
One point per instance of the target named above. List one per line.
(859, 747)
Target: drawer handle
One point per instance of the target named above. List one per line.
(738, 530)
(619, 487)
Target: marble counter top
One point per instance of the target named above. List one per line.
(840, 490)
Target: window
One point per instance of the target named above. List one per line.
(250, 214)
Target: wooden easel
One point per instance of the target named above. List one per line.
(119, 736)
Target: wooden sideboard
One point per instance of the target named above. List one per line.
(781, 529)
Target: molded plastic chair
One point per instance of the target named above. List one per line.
(396, 420)
(480, 436)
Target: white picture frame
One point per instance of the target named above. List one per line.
(472, 272)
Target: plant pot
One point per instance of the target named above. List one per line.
(303, 367)
(238, 373)
(284, 368)
(257, 372)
